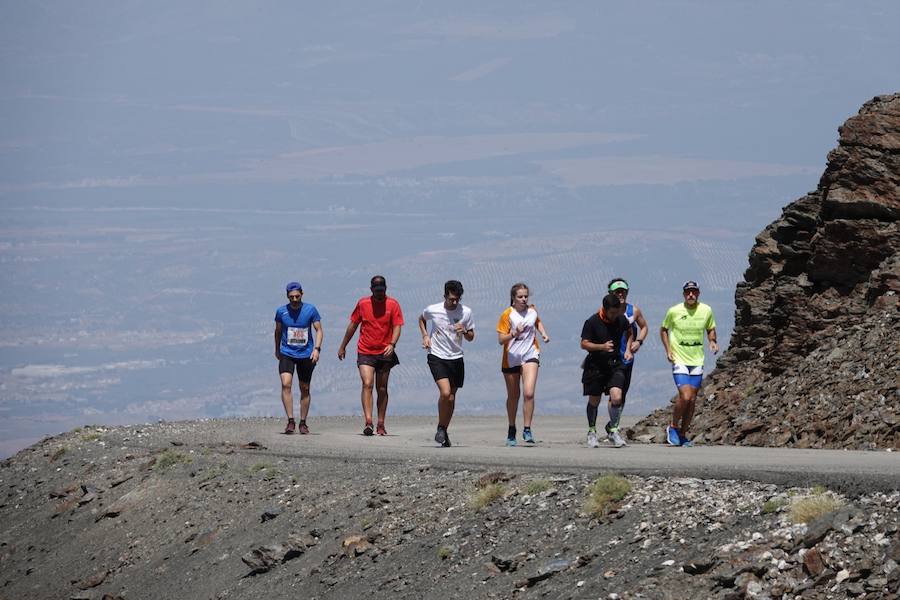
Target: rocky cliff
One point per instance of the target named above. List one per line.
(814, 361)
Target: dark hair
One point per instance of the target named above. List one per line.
(378, 280)
(615, 279)
(453, 287)
(515, 288)
(611, 301)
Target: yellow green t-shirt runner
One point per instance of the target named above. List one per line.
(687, 331)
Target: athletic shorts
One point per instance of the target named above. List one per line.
(597, 383)
(518, 368)
(303, 366)
(447, 368)
(687, 375)
(380, 362)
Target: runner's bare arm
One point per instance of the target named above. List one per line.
(629, 339)
(394, 338)
(423, 329)
(664, 337)
(539, 325)
(713, 342)
(320, 337)
(351, 329)
(594, 347)
(643, 330)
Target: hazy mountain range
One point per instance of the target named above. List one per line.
(166, 168)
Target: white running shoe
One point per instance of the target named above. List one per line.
(617, 440)
(592, 440)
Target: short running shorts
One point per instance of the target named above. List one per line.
(380, 362)
(687, 375)
(447, 368)
(304, 367)
(518, 368)
(597, 383)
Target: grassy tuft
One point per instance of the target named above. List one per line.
(90, 437)
(809, 508)
(444, 552)
(486, 494)
(169, 459)
(267, 470)
(773, 505)
(604, 492)
(58, 454)
(536, 487)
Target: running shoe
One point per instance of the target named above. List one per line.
(380, 430)
(446, 443)
(592, 440)
(367, 430)
(686, 443)
(290, 427)
(673, 438)
(441, 436)
(617, 440)
(511, 441)
(527, 436)
(303, 429)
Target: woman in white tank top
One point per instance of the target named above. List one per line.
(516, 332)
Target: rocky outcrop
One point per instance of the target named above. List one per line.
(814, 360)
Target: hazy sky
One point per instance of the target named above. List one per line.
(166, 167)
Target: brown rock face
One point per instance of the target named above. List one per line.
(814, 360)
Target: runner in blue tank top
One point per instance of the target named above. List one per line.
(639, 331)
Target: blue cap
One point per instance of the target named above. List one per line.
(293, 285)
(690, 285)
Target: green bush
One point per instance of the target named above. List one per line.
(604, 492)
(485, 495)
(169, 459)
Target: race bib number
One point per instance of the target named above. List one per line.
(297, 336)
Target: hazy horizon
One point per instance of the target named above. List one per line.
(166, 168)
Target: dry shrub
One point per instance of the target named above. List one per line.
(809, 508)
(486, 494)
(604, 493)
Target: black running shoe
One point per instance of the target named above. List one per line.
(440, 436)
(367, 430)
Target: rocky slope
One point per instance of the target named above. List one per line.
(149, 512)
(814, 361)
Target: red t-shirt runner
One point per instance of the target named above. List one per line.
(378, 321)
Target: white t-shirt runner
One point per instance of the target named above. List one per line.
(446, 343)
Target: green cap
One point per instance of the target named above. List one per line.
(618, 285)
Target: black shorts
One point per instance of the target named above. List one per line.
(379, 362)
(518, 368)
(304, 367)
(447, 368)
(597, 383)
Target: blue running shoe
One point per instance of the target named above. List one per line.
(673, 438)
(527, 436)
(511, 441)
(686, 443)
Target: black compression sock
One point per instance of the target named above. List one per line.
(591, 415)
(511, 432)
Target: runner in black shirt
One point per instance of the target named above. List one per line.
(603, 368)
